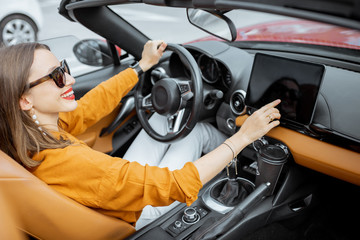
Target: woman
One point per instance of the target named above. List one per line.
(40, 117)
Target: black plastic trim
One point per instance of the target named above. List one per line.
(120, 33)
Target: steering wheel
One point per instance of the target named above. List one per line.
(170, 97)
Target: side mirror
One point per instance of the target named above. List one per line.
(214, 23)
(93, 52)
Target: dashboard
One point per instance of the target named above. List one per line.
(335, 122)
(213, 72)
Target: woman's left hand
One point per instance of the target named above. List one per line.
(152, 52)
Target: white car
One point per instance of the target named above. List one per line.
(20, 21)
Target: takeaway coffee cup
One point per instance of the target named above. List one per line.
(270, 160)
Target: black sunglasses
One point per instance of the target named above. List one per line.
(58, 75)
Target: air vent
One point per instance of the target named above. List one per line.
(237, 102)
(227, 79)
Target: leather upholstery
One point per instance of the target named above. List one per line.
(38, 210)
(8, 222)
(315, 154)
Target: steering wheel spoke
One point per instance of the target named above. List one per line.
(174, 122)
(186, 92)
(146, 103)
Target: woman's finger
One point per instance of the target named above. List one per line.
(271, 114)
(162, 46)
(272, 124)
(270, 105)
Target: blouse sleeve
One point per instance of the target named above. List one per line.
(113, 185)
(98, 102)
(133, 186)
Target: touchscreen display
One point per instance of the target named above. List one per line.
(295, 82)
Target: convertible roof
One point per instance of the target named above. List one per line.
(344, 13)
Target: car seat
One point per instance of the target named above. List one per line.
(41, 212)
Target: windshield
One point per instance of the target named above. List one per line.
(171, 25)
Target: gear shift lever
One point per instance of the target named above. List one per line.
(231, 169)
(232, 190)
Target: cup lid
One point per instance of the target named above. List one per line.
(273, 153)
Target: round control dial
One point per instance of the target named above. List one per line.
(190, 216)
(178, 224)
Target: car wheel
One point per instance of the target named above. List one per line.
(17, 29)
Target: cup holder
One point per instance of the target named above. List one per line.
(226, 193)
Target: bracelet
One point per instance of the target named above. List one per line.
(233, 145)
(230, 149)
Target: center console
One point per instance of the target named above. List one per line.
(245, 196)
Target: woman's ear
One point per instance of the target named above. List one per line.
(25, 103)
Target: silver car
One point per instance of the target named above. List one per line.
(20, 21)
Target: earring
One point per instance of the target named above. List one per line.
(34, 117)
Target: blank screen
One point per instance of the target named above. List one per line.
(295, 82)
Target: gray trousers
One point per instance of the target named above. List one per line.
(145, 150)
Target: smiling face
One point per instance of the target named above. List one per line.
(47, 99)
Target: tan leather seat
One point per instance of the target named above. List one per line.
(8, 221)
(34, 208)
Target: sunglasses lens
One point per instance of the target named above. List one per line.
(59, 78)
(66, 67)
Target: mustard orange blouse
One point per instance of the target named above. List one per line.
(111, 185)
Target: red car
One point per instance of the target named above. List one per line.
(300, 181)
(299, 31)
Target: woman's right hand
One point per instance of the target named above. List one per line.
(258, 124)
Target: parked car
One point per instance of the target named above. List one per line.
(300, 181)
(298, 31)
(20, 21)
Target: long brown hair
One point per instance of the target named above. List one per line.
(20, 136)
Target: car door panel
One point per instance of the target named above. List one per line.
(92, 136)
